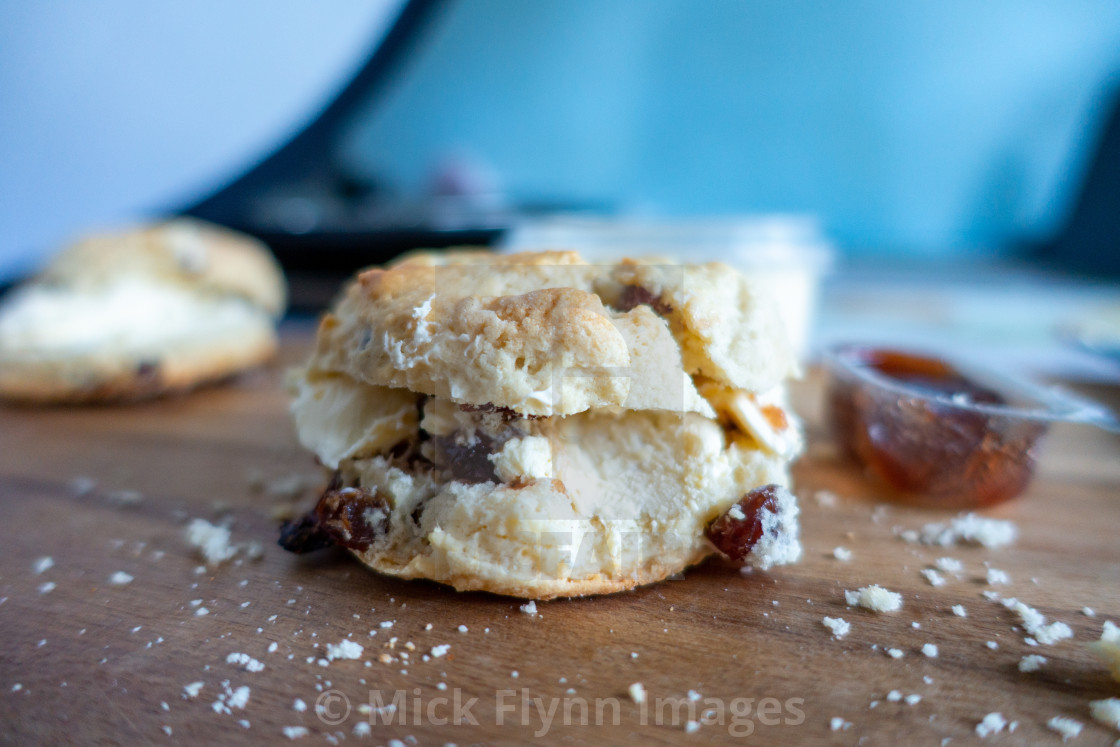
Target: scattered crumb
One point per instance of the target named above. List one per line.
(299, 706)
(874, 598)
(1067, 727)
(211, 541)
(842, 553)
(930, 650)
(637, 692)
(362, 729)
(839, 724)
(996, 576)
(120, 578)
(959, 610)
(691, 727)
(1108, 647)
(1034, 622)
(913, 699)
(344, 649)
(1088, 612)
(968, 528)
(825, 498)
(201, 611)
(193, 689)
(838, 625)
(949, 565)
(934, 578)
(992, 645)
(46, 588)
(44, 563)
(993, 723)
(438, 651)
(895, 653)
(894, 696)
(295, 732)
(124, 497)
(1031, 663)
(246, 662)
(463, 629)
(1106, 711)
(530, 607)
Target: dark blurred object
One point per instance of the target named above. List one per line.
(322, 220)
(1090, 240)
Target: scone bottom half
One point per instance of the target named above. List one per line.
(639, 454)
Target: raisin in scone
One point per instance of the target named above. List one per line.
(139, 313)
(536, 426)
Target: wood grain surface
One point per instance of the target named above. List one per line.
(103, 491)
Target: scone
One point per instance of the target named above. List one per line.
(136, 314)
(537, 426)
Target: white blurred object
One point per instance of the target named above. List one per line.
(790, 251)
(119, 108)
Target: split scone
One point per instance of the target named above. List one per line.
(536, 426)
(136, 314)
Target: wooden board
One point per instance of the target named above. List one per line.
(92, 662)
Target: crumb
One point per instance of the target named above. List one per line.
(949, 565)
(996, 576)
(344, 649)
(930, 650)
(201, 611)
(842, 553)
(992, 645)
(211, 541)
(299, 706)
(839, 724)
(1034, 622)
(438, 651)
(1108, 647)
(193, 689)
(934, 578)
(1088, 612)
(463, 629)
(1067, 727)
(120, 578)
(246, 662)
(46, 588)
(1106, 711)
(295, 732)
(993, 723)
(691, 727)
(825, 498)
(895, 653)
(637, 692)
(968, 528)
(874, 598)
(838, 625)
(362, 729)
(894, 696)
(1031, 663)
(43, 564)
(959, 610)
(530, 607)
(913, 699)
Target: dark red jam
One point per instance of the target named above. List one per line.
(912, 421)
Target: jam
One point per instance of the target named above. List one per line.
(927, 430)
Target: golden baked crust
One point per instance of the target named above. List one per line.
(531, 331)
(202, 256)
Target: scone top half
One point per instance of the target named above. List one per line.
(535, 425)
